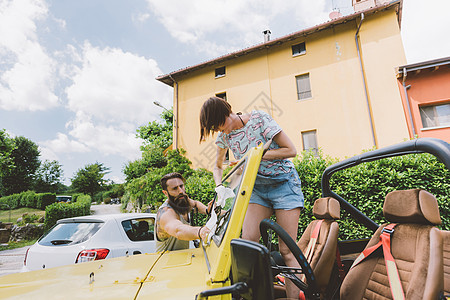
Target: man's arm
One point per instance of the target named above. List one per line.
(172, 225)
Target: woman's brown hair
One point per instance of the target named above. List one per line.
(213, 113)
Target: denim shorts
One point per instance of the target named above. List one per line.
(280, 192)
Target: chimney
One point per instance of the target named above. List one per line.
(266, 35)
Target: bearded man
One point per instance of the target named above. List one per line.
(173, 231)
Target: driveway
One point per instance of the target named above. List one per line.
(103, 209)
(11, 261)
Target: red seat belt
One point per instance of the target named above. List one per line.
(391, 268)
(310, 248)
(312, 242)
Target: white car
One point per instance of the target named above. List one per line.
(88, 238)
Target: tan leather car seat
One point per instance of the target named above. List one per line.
(416, 246)
(324, 255)
(446, 255)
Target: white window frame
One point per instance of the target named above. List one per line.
(309, 141)
(306, 89)
(435, 116)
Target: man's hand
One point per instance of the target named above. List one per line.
(204, 232)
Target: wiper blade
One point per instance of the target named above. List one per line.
(61, 242)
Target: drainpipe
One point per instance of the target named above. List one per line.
(405, 88)
(364, 83)
(175, 112)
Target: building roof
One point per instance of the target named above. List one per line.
(424, 65)
(169, 78)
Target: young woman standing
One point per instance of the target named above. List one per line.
(277, 185)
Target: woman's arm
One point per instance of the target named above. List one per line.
(200, 206)
(286, 150)
(218, 168)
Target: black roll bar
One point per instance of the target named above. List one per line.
(439, 148)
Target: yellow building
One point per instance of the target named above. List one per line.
(332, 86)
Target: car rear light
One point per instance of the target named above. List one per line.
(92, 254)
(25, 260)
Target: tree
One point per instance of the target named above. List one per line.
(158, 134)
(152, 157)
(25, 157)
(89, 180)
(48, 177)
(6, 162)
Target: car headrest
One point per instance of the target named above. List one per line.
(327, 208)
(412, 206)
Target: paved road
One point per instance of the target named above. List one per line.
(103, 209)
(11, 261)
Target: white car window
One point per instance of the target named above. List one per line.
(140, 229)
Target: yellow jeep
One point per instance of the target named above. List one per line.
(226, 267)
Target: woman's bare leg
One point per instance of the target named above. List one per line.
(255, 214)
(288, 219)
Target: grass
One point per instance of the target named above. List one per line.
(17, 213)
(14, 245)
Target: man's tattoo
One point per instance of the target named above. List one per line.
(159, 231)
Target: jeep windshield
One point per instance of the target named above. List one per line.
(232, 181)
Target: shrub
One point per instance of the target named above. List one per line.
(28, 199)
(45, 199)
(11, 201)
(98, 197)
(57, 211)
(365, 186)
(200, 186)
(76, 196)
(27, 219)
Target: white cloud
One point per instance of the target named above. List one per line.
(112, 94)
(27, 74)
(426, 29)
(114, 86)
(237, 24)
(62, 144)
(117, 139)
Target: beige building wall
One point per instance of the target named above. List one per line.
(337, 110)
(382, 49)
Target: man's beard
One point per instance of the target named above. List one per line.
(180, 203)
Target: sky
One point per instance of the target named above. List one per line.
(77, 77)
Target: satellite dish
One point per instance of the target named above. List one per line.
(335, 14)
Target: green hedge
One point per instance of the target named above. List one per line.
(200, 186)
(28, 199)
(56, 211)
(366, 185)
